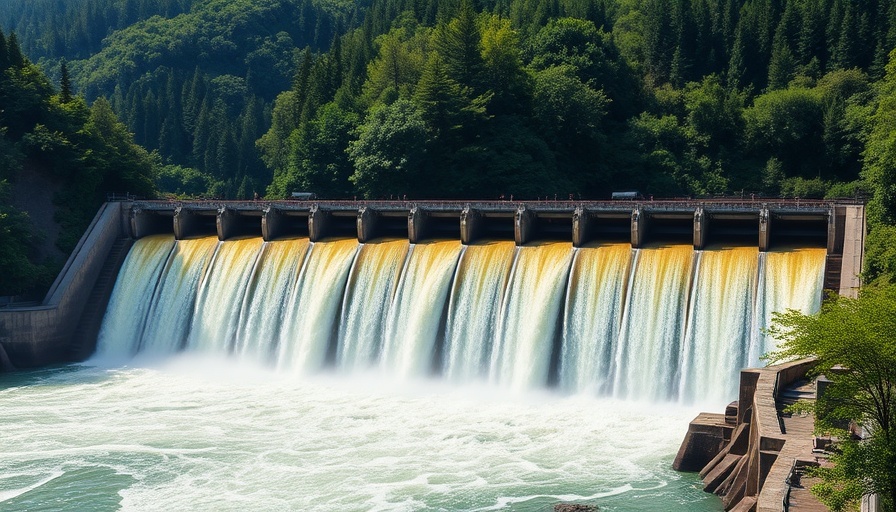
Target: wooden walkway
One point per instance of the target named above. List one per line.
(799, 430)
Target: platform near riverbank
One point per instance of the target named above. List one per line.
(753, 455)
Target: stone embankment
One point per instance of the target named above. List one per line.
(750, 455)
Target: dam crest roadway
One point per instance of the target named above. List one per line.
(700, 222)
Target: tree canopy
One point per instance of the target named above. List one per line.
(84, 150)
(854, 341)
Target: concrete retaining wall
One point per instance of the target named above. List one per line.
(41, 335)
(738, 473)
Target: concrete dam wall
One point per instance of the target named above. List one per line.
(64, 327)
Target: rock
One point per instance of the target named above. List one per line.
(574, 507)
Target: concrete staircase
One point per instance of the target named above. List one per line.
(832, 269)
(801, 390)
(84, 338)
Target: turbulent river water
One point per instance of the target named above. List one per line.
(193, 433)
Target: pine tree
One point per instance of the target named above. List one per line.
(201, 135)
(4, 52)
(14, 52)
(844, 55)
(459, 44)
(437, 96)
(735, 78)
(65, 93)
(811, 41)
(782, 66)
(334, 59)
(300, 83)
(193, 97)
(659, 39)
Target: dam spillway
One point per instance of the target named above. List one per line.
(664, 322)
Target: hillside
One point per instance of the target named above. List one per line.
(522, 98)
(59, 158)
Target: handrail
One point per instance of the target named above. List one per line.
(788, 482)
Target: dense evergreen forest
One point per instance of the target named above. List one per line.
(81, 151)
(484, 98)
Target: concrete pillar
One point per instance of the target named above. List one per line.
(318, 221)
(138, 223)
(271, 223)
(764, 229)
(366, 222)
(853, 251)
(523, 225)
(418, 220)
(832, 231)
(470, 224)
(700, 224)
(639, 228)
(225, 222)
(185, 223)
(581, 223)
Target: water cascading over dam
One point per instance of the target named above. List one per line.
(663, 322)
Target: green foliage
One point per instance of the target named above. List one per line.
(854, 341)
(86, 151)
(782, 124)
(683, 97)
(880, 152)
(318, 161)
(569, 112)
(390, 152)
(880, 254)
(802, 188)
(18, 274)
(183, 181)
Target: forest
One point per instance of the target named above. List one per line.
(489, 98)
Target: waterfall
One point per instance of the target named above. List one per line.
(482, 276)
(265, 301)
(371, 288)
(653, 323)
(171, 311)
(415, 316)
(525, 337)
(717, 342)
(792, 279)
(129, 303)
(312, 309)
(220, 297)
(657, 323)
(594, 302)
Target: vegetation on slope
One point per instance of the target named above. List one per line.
(85, 149)
(528, 98)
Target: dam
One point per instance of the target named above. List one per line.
(574, 295)
(399, 356)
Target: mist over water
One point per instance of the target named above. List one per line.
(292, 375)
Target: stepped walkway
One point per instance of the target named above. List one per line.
(91, 320)
(800, 433)
(755, 456)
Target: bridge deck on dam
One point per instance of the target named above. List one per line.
(701, 222)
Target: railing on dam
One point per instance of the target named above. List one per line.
(763, 223)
